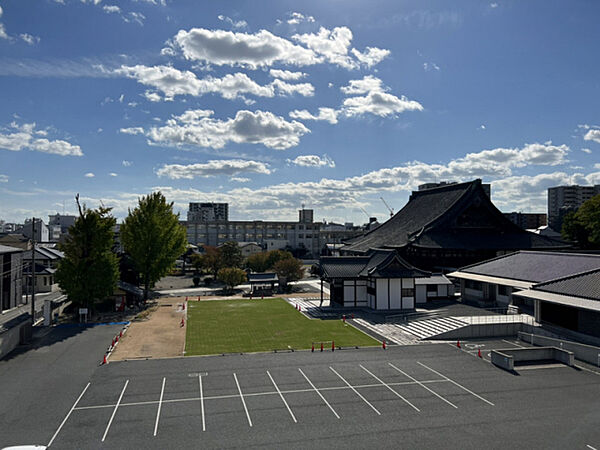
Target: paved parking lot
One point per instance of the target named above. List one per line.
(413, 397)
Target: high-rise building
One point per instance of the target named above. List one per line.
(563, 199)
(527, 221)
(208, 212)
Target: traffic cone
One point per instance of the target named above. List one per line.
(113, 343)
(344, 318)
(312, 349)
(182, 322)
(383, 344)
(299, 308)
(332, 346)
(104, 361)
(321, 346)
(352, 315)
(458, 343)
(198, 298)
(186, 298)
(121, 333)
(479, 353)
(183, 306)
(117, 339)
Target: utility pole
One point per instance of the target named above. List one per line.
(33, 271)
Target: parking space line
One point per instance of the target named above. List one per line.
(590, 447)
(513, 343)
(355, 391)
(320, 395)
(423, 386)
(282, 398)
(68, 414)
(162, 391)
(115, 410)
(242, 397)
(457, 384)
(202, 402)
(390, 388)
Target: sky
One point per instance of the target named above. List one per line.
(271, 105)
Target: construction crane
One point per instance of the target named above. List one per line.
(388, 207)
(361, 208)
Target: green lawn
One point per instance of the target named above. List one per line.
(224, 326)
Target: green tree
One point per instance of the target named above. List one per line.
(257, 262)
(274, 256)
(231, 254)
(89, 271)
(231, 276)
(583, 225)
(153, 237)
(288, 270)
(197, 262)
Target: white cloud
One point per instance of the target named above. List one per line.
(376, 101)
(3, 178)
(24, 137)
(220, 47)
(233, 23)
(3, 33)
(296, 18)
(174, 82)
(431, 66)
(333, 45)
(240, 179)
(111, 9)
(127, 163)
(586, 150)
(89, 175)
(29, 39)
(312, 161)
(112, 174)
(212, 168)
(286, 74)
(327, 114)
(372, 56)
(258, 127)
(132, 130)
(152, 96)
(493, 5)
(592, 135)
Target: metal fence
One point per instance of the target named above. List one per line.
(510, 318)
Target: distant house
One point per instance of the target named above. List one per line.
(381, 280)
(17, 240)
(46, 263)
(249, 248)
(263, 283)
(11, 276)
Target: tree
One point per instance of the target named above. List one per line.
(151, 234)
(89, 271)
(231, 255)
(197, 262)
(257, 262)
(274, 256)
(583, 225)
(212, 259)
(231, 276)
(288, 270)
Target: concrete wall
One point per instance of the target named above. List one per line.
(9, 339)
(482, 330)
(506, 358)
(587, 353)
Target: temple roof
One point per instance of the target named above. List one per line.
(456, 216)
(380, 263)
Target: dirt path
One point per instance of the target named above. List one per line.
(158, 336)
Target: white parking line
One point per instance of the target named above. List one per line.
(242, 397)
(282, 398)
(202, 402)
(68, 414)
(513, 343)
(114, 411)
(162, 391)
(590, 447)
(355, 391)
(390, 388)
(455, 383)
(320, 395)
(423, 386)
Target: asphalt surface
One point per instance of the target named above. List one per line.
(38, 382)
(435, 396)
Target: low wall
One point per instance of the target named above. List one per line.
(506, 358)
(482, 330)
(583, 352)
(12, 337)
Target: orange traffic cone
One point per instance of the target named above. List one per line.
(183, 306)
(312, 349)
(383, 344)
(182, 322)
(479, 353)
(332, 346)
(458, 343)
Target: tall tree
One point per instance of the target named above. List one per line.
(231, 254)
(90, 270)
(583, 225)
(231, 276)
(153, 237)
(288, 270)
(212, 259)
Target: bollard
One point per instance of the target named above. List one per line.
(332, 346)
(321, 346)
(312, 349)
(104, 361)
(383, 344)
(479, 353)
(121, 333)
(117, 339)
(344, 318)
(113, 343)
(458, 343)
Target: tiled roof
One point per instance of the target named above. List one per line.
(266, 276)
(8, 249)
(380, 263)
(584, 285)
(535, 267)
(343, 266)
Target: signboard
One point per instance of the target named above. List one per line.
(83, 311)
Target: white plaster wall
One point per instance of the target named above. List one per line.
(382, 294)
(395, 293)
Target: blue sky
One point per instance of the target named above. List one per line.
(269, 105)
